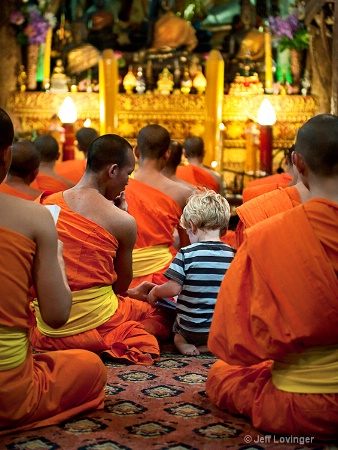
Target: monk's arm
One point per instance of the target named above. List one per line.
(49, 278)
(126, 236)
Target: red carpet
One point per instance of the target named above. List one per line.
(161, 407)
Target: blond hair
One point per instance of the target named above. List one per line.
(207, 211)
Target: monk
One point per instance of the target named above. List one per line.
(174, 160)
(98, 239)
(47, 179)
(156, 202)
(22, 172)
(267, 205)
(275, 326)
(73, 169)
(260, 186)
(36, 389)
(270, 203)
(195, 172)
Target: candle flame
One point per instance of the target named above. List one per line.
(266, 113)
(67, 111)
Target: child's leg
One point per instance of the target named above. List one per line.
(184, 347)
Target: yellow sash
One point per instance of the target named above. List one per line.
(315, 371)
(13, 347)
(149, 260)
(90, 308)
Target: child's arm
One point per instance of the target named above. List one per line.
(167, 290)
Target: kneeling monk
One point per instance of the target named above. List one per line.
(98, 240)
(275, 325)
(36, 389)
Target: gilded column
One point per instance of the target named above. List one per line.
(214, 107)
(108, 83)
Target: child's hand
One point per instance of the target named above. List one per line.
(152, 298)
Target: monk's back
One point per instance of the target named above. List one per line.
(177, 191)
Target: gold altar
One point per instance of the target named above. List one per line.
(183, 115)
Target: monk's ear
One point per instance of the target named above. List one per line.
(136, 152)
(166, 155)
(112, 170)
(298, 161)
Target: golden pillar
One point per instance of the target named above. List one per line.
(214, 105)
(108, 83)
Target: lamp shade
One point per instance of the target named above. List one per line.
(67, 111)
(266, 113)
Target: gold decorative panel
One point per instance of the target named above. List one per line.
(183, 115)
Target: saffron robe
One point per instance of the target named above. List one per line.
(277, 178)
(279, 300)
(73, 169)
(45, 182)
(197, 176)
(157, 216)
(89, 252)
(264, 206)
(7, 189)
(230, 238)
(40, 389)
(255, 191)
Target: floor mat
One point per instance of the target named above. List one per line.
(160, 407)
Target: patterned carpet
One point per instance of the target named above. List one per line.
(161, 407)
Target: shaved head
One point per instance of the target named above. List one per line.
(317, 142)
(25, 158)
(153, 141)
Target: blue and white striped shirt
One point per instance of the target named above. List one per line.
(200, 269)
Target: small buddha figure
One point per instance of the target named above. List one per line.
(59, 81)
(165, 82)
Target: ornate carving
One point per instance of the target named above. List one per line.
(182, 115)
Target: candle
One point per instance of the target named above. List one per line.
(46, 59)
(266, 148)
(268, 62)
(214, 106)
(108, 85)
(266, 118)
(68, 116)
(69, 142)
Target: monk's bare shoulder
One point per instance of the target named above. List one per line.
(179, 192)
(23, 216)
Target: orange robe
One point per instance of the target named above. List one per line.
(73, 169)
(6, 189)
(250, 193)
(277, 178)
(278, 301)
(45, 182)
(230, 238)
(40, 389)
(264, 206)
(157, 216)
(197, 176)
(89, 252)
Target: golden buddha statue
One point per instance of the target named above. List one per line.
(247, 41)
(171, 32)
